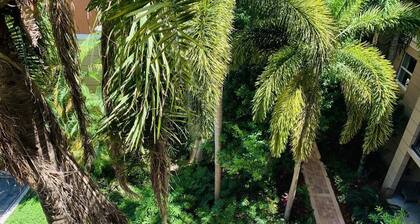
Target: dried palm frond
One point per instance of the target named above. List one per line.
(28, 13)
(64, 32)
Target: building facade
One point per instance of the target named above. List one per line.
(408, 77)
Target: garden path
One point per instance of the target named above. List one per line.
(321, 193)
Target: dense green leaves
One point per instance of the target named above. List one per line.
(367, 79)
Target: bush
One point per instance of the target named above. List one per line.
(383, 217)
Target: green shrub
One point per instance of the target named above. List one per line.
(383, 217)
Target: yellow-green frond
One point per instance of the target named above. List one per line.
(281, 69)
(286, 113)
(375, 19)
(367, 64)
(377, 133)
(304, 134)
(209, 58)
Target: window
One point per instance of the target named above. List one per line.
(406, 70)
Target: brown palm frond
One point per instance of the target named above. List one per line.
(64, 33)
(28, 14)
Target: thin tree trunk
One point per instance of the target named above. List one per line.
(159, 169)
(361, 167)
(217, 146)
(393, 48)
(292, 190)
(375, 39)
(196, 154)
(36, 152)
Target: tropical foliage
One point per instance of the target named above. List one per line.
(170, 75)
(289, 86)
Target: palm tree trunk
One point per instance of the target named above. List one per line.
(375, 39)
(118, 164)
(196, 154)
(292, 190)
(361, 167)
(159, 170)
(393, 48)
(217, 146)
(36, 152)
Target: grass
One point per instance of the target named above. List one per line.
(29, 210)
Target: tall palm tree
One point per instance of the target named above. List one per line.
(33, 146)
(209, 59)
(168, 65)
(310, 49)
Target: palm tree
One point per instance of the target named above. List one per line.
(210, 58)
(169, 59)
(33, 146)
(310, 49)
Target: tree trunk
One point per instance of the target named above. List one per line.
(159, 170)
(217, 146)
(292, 190)
(196, 154)
(361, 167)
(394, 47)
(36, 152)
(375, 39)
(118, 164)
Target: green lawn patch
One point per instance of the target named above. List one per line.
(29, 210)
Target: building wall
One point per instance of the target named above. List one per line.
(85, 21)
(403, 154)
(412, 92)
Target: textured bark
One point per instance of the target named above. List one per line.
(63, 28)
(35, 150)
(393, 48)
(118, 164)
(159, 169)
(217, 147)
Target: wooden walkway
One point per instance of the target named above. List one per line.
(323, 200)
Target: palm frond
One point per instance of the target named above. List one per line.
(304, 134)
(349, 10)
(308, 22)
(28, 12)
(286, 114)
(209, 59)
(254, 45)
(65, 38)
(282, 67)
(377, 19)
(379, 75)
(358, 97)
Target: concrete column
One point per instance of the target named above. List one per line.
(394, 173)
(401, 157)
